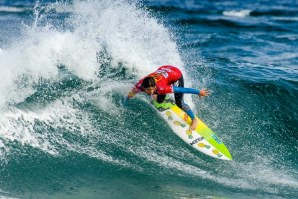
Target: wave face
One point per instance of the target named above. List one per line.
(66, 65)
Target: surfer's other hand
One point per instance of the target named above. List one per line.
(204, 93)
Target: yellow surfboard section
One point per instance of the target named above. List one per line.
(202, 138)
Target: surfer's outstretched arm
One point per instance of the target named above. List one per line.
(201, 93)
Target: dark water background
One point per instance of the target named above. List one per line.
(65, 65)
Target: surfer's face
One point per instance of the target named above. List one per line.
(150, 90)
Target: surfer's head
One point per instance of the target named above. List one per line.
(149, 85)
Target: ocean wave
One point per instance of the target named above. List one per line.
(51, 130)
(286, 19)
(94, 27)
(275, 12)
(11, 9)
(286, 37)
(229, 23)
(237, 13)
(177, 9)
(56, 7)
(4, 194)
(61, 90)
(6, 197)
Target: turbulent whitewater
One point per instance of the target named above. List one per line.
(66, 65)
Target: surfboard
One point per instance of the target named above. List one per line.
(202, 138)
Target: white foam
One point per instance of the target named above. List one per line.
(294, 19)
(259, 174)
(11, 9)
(20, 127)
(6, 197)
(237, 13)
(127, 33)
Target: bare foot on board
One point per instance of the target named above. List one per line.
(194, 124)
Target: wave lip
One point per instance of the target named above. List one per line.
(19, 10)
(11, 9)
(237, 13)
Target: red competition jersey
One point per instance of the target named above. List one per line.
(164, 77)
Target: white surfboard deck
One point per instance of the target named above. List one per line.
(202, 138)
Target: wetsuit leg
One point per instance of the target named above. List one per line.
(179, 99)
(179, 96)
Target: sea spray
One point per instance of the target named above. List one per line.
(126, 33)
(61, 135)
(99, 36)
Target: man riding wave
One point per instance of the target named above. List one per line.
(168, 79)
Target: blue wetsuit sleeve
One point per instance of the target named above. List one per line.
(185, 90)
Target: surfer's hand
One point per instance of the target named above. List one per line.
(131, 94)
(204, 93)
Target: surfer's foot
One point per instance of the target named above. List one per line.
(194, 124)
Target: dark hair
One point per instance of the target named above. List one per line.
(148, 82)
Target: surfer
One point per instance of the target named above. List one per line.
(168, 79)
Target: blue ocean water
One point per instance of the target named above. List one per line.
(65, 66)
